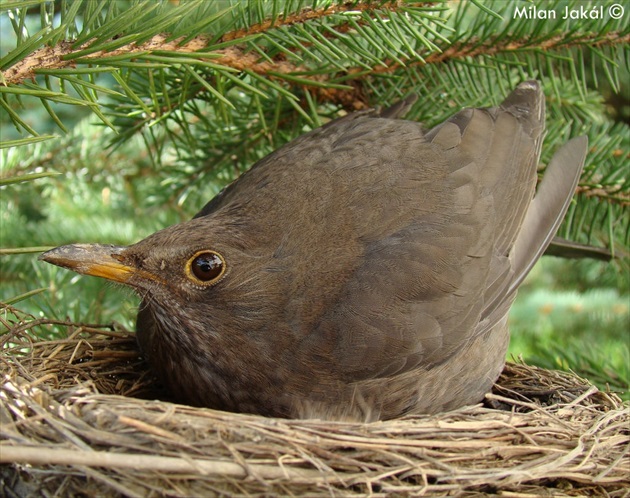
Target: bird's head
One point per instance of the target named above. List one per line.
(201, 269)
(209, 300)
(182, 260)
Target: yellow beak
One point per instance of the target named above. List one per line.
(98, 260)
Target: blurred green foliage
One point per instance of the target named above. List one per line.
(570, 315)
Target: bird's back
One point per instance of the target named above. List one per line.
(383, 260)
(419, 324)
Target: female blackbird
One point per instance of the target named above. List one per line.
(363, 271)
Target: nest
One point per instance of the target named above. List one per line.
(79, 417)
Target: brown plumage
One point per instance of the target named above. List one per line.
(363, 271)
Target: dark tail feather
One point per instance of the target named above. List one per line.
(568, 249)
(549, 206)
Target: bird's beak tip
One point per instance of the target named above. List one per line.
(90, 259)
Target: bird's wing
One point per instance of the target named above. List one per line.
(429, 283)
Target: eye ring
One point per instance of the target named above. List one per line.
(205, 268)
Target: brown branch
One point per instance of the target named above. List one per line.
(613, 194)
(609, 193)
(309, 14)
(473, 48)
(59, 56)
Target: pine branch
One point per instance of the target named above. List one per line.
(614, 194)
(201, 50)
(221, 85)
(476, 47)
(311, 14)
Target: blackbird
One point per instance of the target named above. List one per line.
(363, 271)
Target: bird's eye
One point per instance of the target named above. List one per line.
(205, 267)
